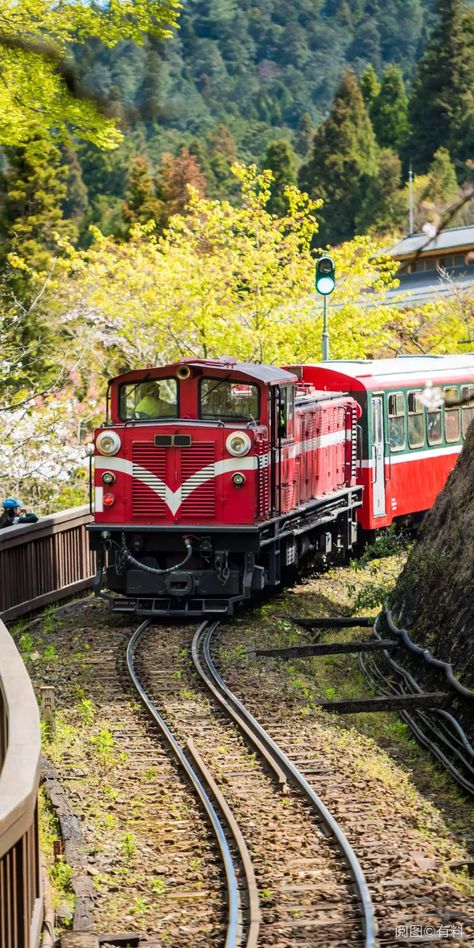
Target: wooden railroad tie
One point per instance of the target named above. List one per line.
(335, 622)
(435, 699)
(324, 648)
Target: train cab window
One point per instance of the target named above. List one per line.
(452, 415)
(467, 391)
(156, 398)
(433, 425)
(416, 420)
(286, 412)
(224, 399)
(396, 421)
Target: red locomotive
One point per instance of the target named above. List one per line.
(212, 478)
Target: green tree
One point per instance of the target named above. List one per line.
(280, 159)
(444, 185)
(441, 108)
(305, 135)
(141, 203)
(40, 89)
(76, 202)
(389, 110)
(35, 192)
(369, 86)
(344, 161)
(384, 206)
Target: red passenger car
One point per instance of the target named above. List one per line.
(407, 447)
(212, 478)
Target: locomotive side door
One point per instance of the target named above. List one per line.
(378, 457)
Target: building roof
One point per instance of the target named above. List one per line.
(448, 239)
(417, 288)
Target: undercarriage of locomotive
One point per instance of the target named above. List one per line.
(200, 570)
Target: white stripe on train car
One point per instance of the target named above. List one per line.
(417, 455)
(174, 499)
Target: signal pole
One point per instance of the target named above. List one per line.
(325, 283)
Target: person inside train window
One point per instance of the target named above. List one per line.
(396, 421)
(152, 401)
(14, 512)
(434, 427)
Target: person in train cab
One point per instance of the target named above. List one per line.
(14, 513)
(151, 405)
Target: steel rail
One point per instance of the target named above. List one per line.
(234, 921)
(215, 684)
(426, 741)
(451, 742)
(255, 917)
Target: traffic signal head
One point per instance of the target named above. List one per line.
(325, 275)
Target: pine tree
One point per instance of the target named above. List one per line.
(369, 86)
(141, 203)
(443, 181)
(344, 160)
(222, 155)
(441, 108)
(305, 135)
(35, 192)
(389, 110)
(281, 160)
(76, 201)
(384, 207)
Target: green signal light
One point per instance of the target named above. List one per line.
(325, 275)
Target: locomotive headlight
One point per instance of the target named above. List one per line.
(238, 444)
(108, 500)
(108, 477)
(108, 442)
(238, 479)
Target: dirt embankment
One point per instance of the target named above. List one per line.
(434, 596)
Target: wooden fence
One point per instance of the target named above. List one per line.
(39, 564)
(21, 904)
(45, 561)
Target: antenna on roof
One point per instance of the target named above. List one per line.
(410, 199)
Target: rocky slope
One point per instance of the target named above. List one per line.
(434, 596)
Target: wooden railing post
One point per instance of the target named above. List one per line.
(21, 906)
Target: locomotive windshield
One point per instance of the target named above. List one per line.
(156, 398)
(221, 398)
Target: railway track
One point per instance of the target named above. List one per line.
(302, 891)
(334, 908)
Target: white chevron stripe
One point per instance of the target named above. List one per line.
(174, 499)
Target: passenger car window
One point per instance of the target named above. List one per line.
(452, 415)
(435, 435)
(396, 421)
(157, 398)
(467, 391)
(416, 420)
(222, 398)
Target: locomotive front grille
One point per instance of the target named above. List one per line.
(189, 469)
(198, 471)
(148, 463)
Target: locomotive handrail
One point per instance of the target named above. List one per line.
(20, 748)
(44, 561)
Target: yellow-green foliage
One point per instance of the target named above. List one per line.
(228, 278)
(35, 36)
